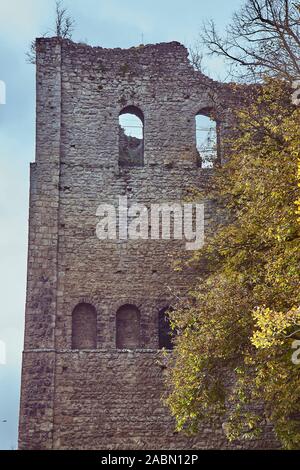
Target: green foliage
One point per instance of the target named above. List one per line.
(232, 357)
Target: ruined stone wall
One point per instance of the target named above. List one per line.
(106, 398)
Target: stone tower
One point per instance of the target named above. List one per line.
(92, 375)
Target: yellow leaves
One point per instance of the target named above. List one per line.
(271, 327)
(297, 202)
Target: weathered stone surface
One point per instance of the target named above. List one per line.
(107, 398)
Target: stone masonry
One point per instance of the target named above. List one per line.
(93, 373)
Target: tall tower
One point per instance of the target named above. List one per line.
(92, 375)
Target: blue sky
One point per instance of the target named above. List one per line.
(107, 23)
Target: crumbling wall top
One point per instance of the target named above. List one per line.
(161, 56)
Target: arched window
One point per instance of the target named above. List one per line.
(128, 327)
(2, 92)
(131, 137)
(207, 138)
(165, 333)
(84, 327)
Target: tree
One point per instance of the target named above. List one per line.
(64, 23)
(63, 29)
(233, 351)
(263, 38)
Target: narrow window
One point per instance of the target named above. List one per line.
(84, 327)
(128, 327)
(165, 333)
(131, 137)
(207, 138)
(2, 92)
